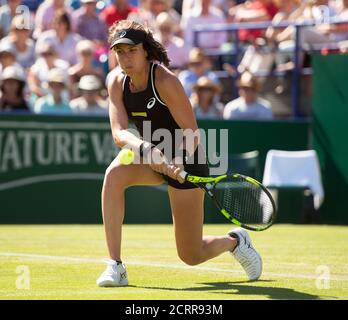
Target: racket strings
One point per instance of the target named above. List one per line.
(245, 201)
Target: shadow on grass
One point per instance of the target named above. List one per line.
(242, 288)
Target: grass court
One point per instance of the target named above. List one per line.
(64, 261)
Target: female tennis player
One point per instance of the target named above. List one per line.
(147, 91)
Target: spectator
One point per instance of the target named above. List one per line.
(175, 46)
(341, 6)
(12, 90)
(7, 12)
(88, 24)
(150, 9)
(118, 10)
(90, 101)
(44, 17)
(286, 9)
(343, 47)
(343, 13)
(318, 10)
(156, 7)
(322, 32)
(198, 66)
(33, 5)
(287, 12)
(84, 66)
(38, 73)
(62, 37)
(204, 13)
(19, 38)
(188, 5)
(248, 106)
(286, 35)
(55, 102)
(7, 55)
(75, 4)
(252, 11)
(204, 99)
(258, 58)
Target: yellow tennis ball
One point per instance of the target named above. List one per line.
(126, 156)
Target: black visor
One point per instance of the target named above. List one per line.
(129, 36)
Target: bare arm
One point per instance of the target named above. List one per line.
(339, 28)
(119, 117)
(173, 95)
(271, 32)
(254, 17)
(34, 84)
(297, 14)
(246, 14)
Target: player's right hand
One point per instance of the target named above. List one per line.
(158, 161)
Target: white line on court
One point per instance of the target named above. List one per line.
(162, 265)
(51, 177)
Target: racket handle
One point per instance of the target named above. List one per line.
(182, 176)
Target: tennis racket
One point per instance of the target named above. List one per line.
(242, 200)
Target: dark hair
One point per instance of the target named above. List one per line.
(62, 16)
(6, 106)
(155, 50)
(20, 90)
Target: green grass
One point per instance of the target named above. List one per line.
(64, 262)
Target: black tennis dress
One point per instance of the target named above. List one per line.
(149, 113)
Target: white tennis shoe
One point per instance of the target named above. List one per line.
(246, 255)
(115, 275)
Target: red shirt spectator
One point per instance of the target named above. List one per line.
(117, 11)
(255, 11)
(271, 8)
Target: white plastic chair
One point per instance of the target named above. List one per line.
(294, 169)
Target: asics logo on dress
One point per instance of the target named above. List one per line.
(151, 103)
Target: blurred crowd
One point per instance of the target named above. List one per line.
(54, 56)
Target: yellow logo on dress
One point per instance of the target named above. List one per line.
(139, 114)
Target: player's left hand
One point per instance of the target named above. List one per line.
(173, 171)
(174, 168)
